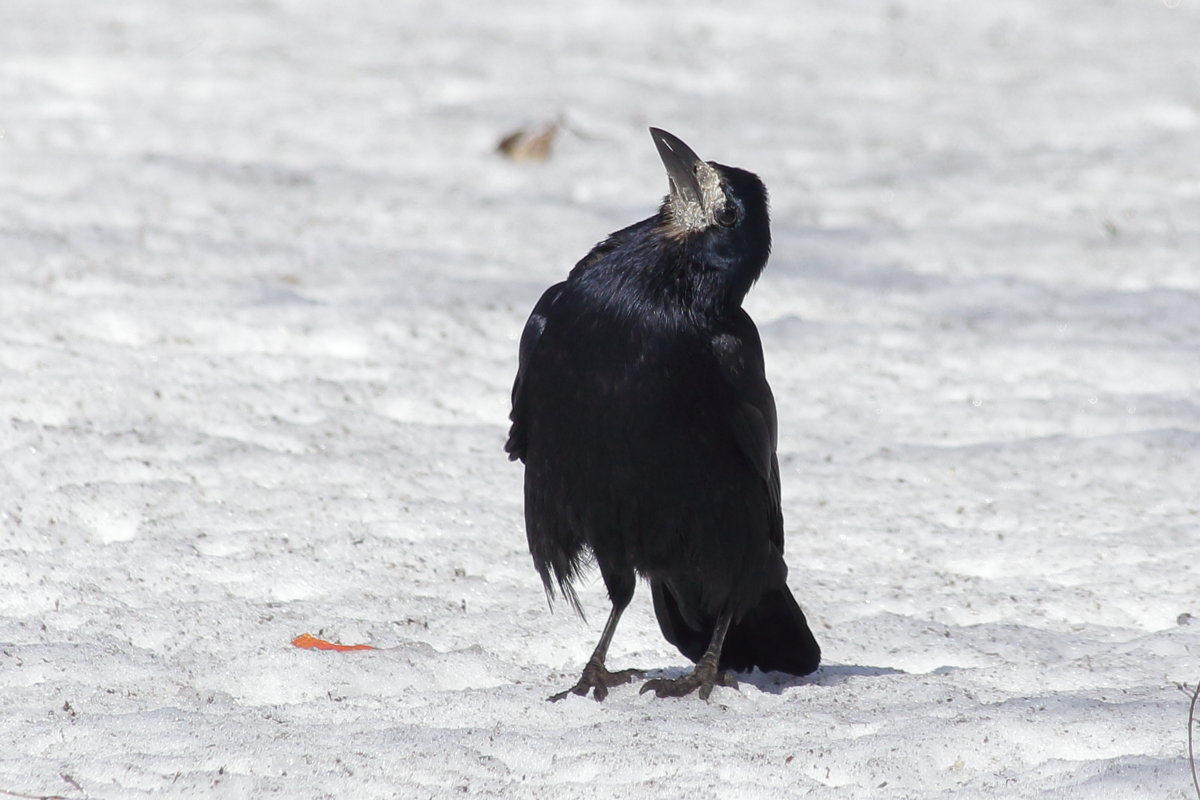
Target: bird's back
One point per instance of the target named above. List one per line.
(626, 424)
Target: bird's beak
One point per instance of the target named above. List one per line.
(681, 162)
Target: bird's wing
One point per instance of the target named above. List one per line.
(739, 353)
(515, 446)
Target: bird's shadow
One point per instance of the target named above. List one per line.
(779, 682)
(828, 675)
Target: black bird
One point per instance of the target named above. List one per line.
(642, 412)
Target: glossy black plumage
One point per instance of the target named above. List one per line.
(648, 430)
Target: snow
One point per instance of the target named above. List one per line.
(263, 276)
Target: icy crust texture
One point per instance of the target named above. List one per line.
(261, 280)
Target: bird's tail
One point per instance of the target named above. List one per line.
(773, 635)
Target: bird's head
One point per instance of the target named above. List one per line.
(718, 213)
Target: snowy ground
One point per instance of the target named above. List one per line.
(263, 276)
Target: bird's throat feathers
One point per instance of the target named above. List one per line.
(683, 216)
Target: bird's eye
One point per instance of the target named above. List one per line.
(726, 215)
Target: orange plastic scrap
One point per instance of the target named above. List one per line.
(307, 641)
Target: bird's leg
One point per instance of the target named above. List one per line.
(595, 675)
(706, 675)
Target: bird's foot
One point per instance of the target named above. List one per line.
(599, 680)
(704, 678)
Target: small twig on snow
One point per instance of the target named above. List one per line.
(24, 796)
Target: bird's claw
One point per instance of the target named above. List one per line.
(701, 678)
(598, 680)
